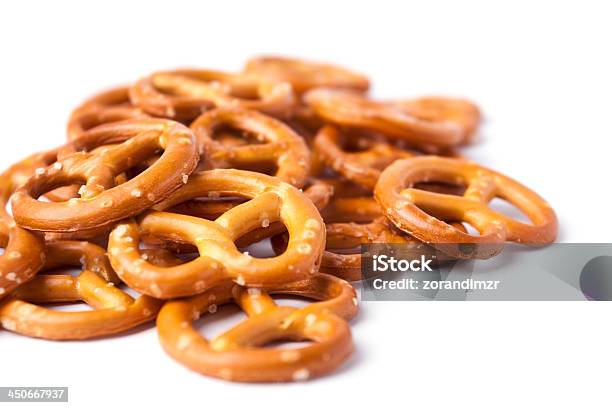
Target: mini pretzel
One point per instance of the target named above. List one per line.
(185, 94)
(102, 202)
(115, 311)
(239, 355)
(109, 106)
(409, 208)
(304, 75)
(351, 222)
(362, 167)
(280, 145)
(24, 251)
(442, 109)
(271, 201)
(356, 111)
(319, 192)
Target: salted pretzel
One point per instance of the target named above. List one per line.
(24, 251)
(351, 222)
(109, 106)
(317, 191)
(184, 94)
(354, 110)
(304, 75)
(114, 310)
(271, 201)
(102, 202)
(362, 161)
(239, 354)
(278, 144)
(419, 212)
(443, 109)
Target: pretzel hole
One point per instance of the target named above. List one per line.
(230, 136)
(223, 319)
(508, 209)
(261, 249)
(287, 344)
(76, 306)
(469, 229)
(442, 187)
(63, 270)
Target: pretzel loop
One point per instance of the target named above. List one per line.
(281, 145)
(24, 251)
(354, 110)
(185, 94)
(305, 75)
(220, 259)
(114, 310)
(237, 355)
(106, 107)
(102, 202)
(418, 212)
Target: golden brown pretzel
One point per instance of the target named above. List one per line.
(410, 208)
(271, 201)
(317, 191)
(443, 109)
(114, 310)
(239, 355)
(357, 111)
(278, 145)
(351, 222)
(102, 202)
(304, 75)
(109, 106)
(364, 159)
(24, 251)
(185, 93)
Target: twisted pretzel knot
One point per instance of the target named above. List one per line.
(304, 75)
(408, 207)
(238, 354)
(102, 202)
(271, 201)
(354, 110)
(281, 145)
(106, 107)
(114, 310)
(185, 94)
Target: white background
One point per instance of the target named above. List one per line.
(541, 73)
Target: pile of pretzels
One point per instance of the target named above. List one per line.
(163, 185)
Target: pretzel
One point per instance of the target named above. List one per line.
(353, 110)
(114, 310)
(319, 192)
(24, 251)
(409, 208)
(239, 355)
(304, 75)
(271, 200)
(102, 202)
(351, 222)
(363, 166)
(442, 109)
(106, 107)
(184, 94)
(279, 144)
